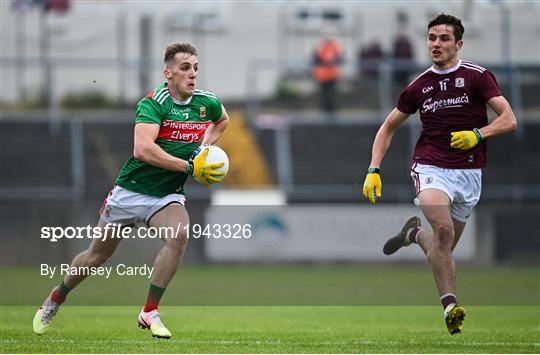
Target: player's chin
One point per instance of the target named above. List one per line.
(437, 59)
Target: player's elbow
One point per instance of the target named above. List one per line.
(223, 122)
(512, 124)
(140, 152)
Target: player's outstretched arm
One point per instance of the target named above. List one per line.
(216, 129)
(373, 185)
(146, 150)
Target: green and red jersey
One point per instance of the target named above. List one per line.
(182, 129)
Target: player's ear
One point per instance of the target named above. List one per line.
(167, 73)
(459, 44)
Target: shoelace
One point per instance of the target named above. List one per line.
(49, 312)
(155, 319)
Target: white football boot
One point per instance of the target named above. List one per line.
(151, 320)
(45, 315)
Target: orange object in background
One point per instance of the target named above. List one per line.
(327, 59)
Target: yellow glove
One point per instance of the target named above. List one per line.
(203, 171)
(465, 140)
(373, 184)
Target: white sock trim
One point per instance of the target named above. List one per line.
(418, 235)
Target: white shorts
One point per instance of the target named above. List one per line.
(126, 207)
(463, 186)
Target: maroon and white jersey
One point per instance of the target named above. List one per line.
(450, 100)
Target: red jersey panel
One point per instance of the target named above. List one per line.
(450, 100)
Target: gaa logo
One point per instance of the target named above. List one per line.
(427, 89)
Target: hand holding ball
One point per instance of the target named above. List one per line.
(210, 165)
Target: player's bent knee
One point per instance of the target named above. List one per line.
(443, 239)
(444, 231)
(177, 244)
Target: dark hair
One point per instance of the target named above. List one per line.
(173, 48)
(449, 20)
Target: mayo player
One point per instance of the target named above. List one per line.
(171, 123)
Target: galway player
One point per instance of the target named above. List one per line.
(171, 123)
(446, 167)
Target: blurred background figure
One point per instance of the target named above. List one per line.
(327, 60)
(402, 52)
(369, 58)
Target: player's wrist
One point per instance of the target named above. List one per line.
(189, 168)
(374, 170)
(479, 135)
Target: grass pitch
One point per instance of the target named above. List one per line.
(280, 309)
(290, 329)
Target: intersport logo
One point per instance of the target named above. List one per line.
(186, 132)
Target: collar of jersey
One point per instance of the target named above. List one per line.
(185, 102)
(446, 71)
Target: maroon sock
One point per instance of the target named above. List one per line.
(60, 293)
(448, 299)
(154, 296)
(413, 234)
